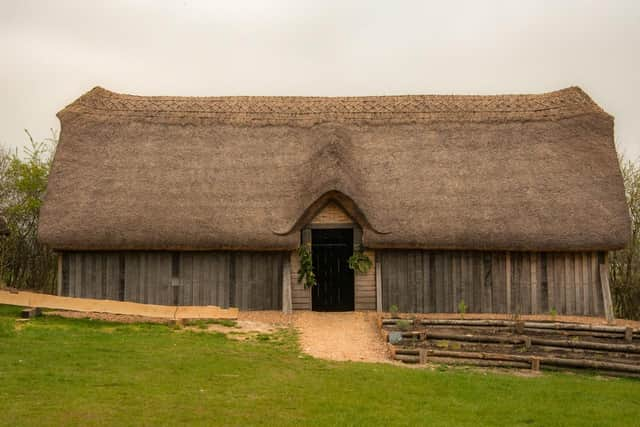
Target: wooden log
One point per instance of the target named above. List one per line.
(576, 327)
(561, 326)
(588, 345)
(479, 355)
(572, 333)
(407, 359)
(535, 363)
(407, 351)
(477, 362)
(590, 364)
(475, 338)
(606, 292)
(470, 322)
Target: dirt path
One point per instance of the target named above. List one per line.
(334, 336)
(341, 336)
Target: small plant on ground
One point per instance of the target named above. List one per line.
(360, 262)
(553, 313)
(403, 325)
(394, 311)
(462, 308)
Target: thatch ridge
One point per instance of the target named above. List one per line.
(305, 110)
(524, 172)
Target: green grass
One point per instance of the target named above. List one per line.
(56, 371)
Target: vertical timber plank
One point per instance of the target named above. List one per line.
(535, 306)
(606, 291)
(508, 281)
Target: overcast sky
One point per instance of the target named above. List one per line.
(52, 52)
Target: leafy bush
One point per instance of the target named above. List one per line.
(624, 270)
(24, 262)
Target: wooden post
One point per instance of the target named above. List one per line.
(508, 267)
(535, 363)
(606, 292)
(378, 287)
(287, 303)
(628, 334)
(60, 274)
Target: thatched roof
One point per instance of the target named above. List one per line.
(518, 172)
(4, 228)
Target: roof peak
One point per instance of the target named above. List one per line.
(562, 103)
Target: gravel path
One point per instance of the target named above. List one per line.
(334, 336)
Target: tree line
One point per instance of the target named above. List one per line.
(24, 262)
(27, 264)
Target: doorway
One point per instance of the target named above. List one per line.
(331, 249)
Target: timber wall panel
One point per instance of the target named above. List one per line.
(300, 296)
(248, 280)
(438, 281)
(365, 286)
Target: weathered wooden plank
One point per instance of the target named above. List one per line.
(487, 283)
(508, 281)
(498, 276)
(525, 283)
(446, 283)
(597, 289)
(570, 286)
(378, 284)
(586, 295)
(606, 292)
(410, 292)
(559, 281)
(438, 282)
(429, 267)
(544, 282)
(287, 304)
(535, 301)
(577, 280)
(466, 278)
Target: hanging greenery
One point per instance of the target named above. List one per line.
(359, 262)
(305, 274)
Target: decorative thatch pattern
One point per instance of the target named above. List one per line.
(517, 172)
(306, 111)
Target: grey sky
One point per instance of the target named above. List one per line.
(52, 52)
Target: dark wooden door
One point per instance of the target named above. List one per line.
(331, 250)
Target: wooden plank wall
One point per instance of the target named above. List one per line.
(491, 282)
(258, 280)
(247, 280)
(365, 286)
(88, 275)
(300, 296)
(148, 278)
(204, 279)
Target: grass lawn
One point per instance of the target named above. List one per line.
(56, 371)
